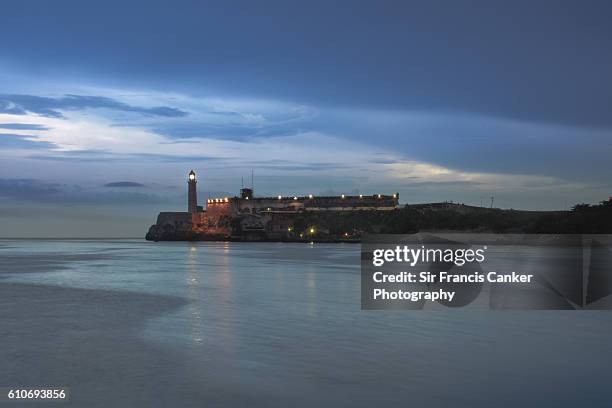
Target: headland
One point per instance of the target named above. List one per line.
(280, 218)
(346, 218)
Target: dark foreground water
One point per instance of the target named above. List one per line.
(139, 324)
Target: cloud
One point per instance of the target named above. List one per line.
(12, 141)
(477, 143)
(42, 192)
(225, 118)
(460, 141)
(124, 184)
(53, 107)
(303, 149)
(22, 126)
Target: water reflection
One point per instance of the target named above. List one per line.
(225, 301)
(193, 290)
(311, 291)
(210, 292)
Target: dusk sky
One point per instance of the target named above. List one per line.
(106, 106)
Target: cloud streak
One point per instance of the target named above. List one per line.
(124, 184)
(42, 192)
(52, 107)
(10, 141)
(22, 126)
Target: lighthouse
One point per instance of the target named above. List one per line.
(192, 196)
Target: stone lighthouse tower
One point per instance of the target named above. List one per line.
(192, 195)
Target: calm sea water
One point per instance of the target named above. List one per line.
(134, 323)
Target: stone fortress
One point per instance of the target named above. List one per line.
(252, 218)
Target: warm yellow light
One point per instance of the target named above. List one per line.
(312, 230)
(268, 208)
(226, 200)
(289, 229)
(393, 195)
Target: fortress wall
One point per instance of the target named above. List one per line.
(360, 208)
(336, 203)
(219, 209)
(216, 220)
(263, 204)
(351, 202)
(252, 205)
(173, 217)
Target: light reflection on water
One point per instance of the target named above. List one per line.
(277, 322)
(192, 295)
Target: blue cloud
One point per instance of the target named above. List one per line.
(90, 156)
(52, 107)
(11, 141)
(250, 121)
(236, 132)
(43, 192)
(23, 126)
(123, 184)
(476, 143)
(460, 57)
